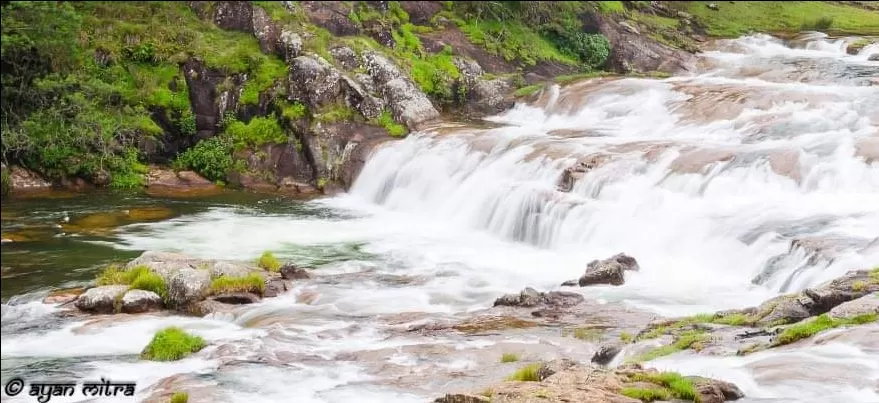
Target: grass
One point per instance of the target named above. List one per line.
(180, 397)
(742, 17)
(611, 7)
(514, 40)
(259, 131)
(859, 286)
(528, 90)
(269, 262)
(386, 121)
(646, 394)
(527, 373)
(335, 113)
(252, 283)
(294, 111)
(626, 337)
(171, 344)
(677, 386)
(150, 281)
(509, 357)
(824, 322)
(583, 333)
(692, 339)
(136, 278)
(570, 78)
(874, 275)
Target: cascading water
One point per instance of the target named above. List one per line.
(755, 176)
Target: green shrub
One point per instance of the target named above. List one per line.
(592, 49)
(611, 7)
(527, 373)
(336, 113)
(509, 357)
(180, 397)
(269, 262)
(171, 344)
(268, 71)
(5, 182)
(212, 158)
(528, 91)
(294, 111)
(252, 283)
(386, 121)
(259, 131)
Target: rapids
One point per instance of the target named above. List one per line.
(707, 179)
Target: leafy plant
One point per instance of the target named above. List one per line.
(269, 262)
(212, 158)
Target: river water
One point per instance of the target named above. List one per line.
(706, 179)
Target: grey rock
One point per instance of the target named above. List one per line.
(101, 299)
(406, 101)
(571, 283)
(314, 81)
(608, 271)
(529, 297)
(290, 44)
(236, 298)
(228, 269)
(489, 97)
(628, 27)
(873, 57)
(553, 367)
(234, 15)
(290, 271)
(360, 99)
(188, 285)
(139, 301)
(784, 309)
(346, 57)
(166, 264)
(862, 306)
(714, 390)
(462, 398)
(853, 285)
(275, 287)
(469, 68)
(265, 30)
(606, 353)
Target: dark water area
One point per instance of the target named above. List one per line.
(62, 239)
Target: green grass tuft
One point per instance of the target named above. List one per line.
(694, 339)
(294, 111)
(874, 275)
(859, 286)
(527, 373)
(118, 275)
(252, 283)
(180, 397)
(171, 344)
(626, 337)
(611, 7)
(269, 262)
(386, 121)
(646, 395)
(528, 90)
(678, 386)
(509, 357)
(819, 324)
(149, 281)
(259, 131)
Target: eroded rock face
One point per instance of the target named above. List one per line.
(236, 298)
(23, 179)
(606, 353)
(101, 299)
(853, 285)
(139, 301)
(314, 81)
(530, 298)
(406, 101)
(868, 304)
(630, 52)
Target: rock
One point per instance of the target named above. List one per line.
(784, 309)
(275, 287)
(608, 271)
(571, 283)
(63, 296)
(290, 44)
(101, 299)
(163, 177)
(188, 285)
(139, 301)
(407, 103)
(420, 12)
(228, 269)
(469, 68)
(361, 100)
(333, 16)
(714, 390)
(873, 57)
(629, 52)
(236, 298)
(460, 397)
(23, 179)
(489, 97)
(207, 307)
(345, 56)
(628, 27)
(527, 298)
(290, 271)
(862, 306)
(165, 264)
(853, 285)
(265, 30)
(553, 367)
(314, 81)
(606, 353)
(234, 15)
(713, 6)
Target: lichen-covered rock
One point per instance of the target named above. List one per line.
(360, 99)
(165, 264)
(234, 15)
(530, 297)
(346, 57)
(101, 299)
(314, 81)
(489, 97)
(139, 301)
(290, 44)
(228, 269)
(407, 102)
(527, 298)
(188, 285)
(265, 30)
(784, 309)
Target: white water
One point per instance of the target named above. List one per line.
(476, 213)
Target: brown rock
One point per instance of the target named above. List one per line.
(275, 287)
(460, 397)
(63, 296)
(608, 271)
(290, 271)
(236, 298)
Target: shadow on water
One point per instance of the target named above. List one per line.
(62, 239)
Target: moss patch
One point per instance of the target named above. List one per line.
(693, 339)
(824, 322)
(252, 283)
(675, 385)
(386, 121)
(180, 397)
(171, 344)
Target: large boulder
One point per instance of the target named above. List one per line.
(139, 301)
(314, 81)
(606, 353)
(102, 299)
(853, 285)
(165, 264)
(406, 101)
(289, 45)
(234, 15)
(784, 309)
(631, 52)
(608, 271)
(265, 30)
(714, 390)
(228, 269)
(188, 285)
(489, 97)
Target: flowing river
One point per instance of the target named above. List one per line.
(705, 179)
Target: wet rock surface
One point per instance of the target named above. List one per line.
(608, 271)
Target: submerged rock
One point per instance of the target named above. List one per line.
(290, 271)
(101, 299)
(139, 301)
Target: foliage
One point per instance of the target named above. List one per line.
(859, 286)
(611, 7)
(592, 49)
(626, 337)
(386, 121)
(265, 74)
(251, 283)
(874, 275)
(212, 158)
(180, 397)
(269, 262)
(259, 131)
(5, 182)
(527, 373)
(335, 113)
(294, 111)
(149, 281)
(171, 344)
(677, 386)
(528, 90)
(514, 40)
(509, 357)
(117, 275)
(690, 339)
(819, 324)
(646, 394)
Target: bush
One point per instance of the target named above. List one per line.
(180, 397)
(212, 158)
(295, 111)
(171, 344)
(269, 262)
(592, 49)
(251, 283)
(5, 182)
(259, 131)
